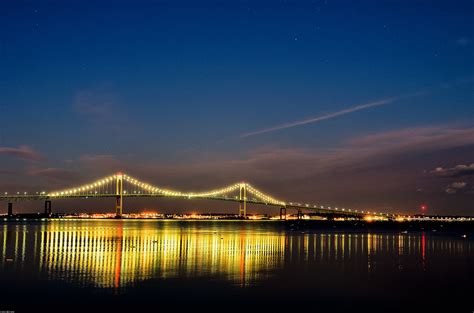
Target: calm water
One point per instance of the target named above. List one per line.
(134, 264)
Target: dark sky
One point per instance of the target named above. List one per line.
(365, 104)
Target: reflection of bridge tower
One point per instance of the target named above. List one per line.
(243, 200)
(119, 195)
(118, 259)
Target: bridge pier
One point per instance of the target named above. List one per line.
(283, 213)
(118, 207)
(300, 214)
(10, 209)
(47, 208)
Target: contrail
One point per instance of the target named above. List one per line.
(321, 118)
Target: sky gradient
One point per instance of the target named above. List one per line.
(363, 105)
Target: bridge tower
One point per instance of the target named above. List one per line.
(118, 195)
(243, 200)
(47, 208)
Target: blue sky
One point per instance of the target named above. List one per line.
(165, 89)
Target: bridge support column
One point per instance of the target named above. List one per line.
(10, 209)
(47, 208)
(300, 214)
(119, 196)
(283, 213)
(243, 200)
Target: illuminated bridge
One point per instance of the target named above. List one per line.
(120, 186)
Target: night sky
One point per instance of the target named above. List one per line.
(363, 104)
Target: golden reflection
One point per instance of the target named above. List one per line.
(118, 254)
(115, 256)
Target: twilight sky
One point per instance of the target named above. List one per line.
(362, 104)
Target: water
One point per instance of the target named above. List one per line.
(129, 265)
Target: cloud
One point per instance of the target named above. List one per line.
(333, 115)
(57, 174)
(319, 118)
(460, 170)
(438, 137)
(455, 187)
(23, 152)
(450, 190)
(458, 185)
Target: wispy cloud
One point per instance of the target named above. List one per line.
(22, 152)
(460, 170)
(455, 187)
(419, 138)
(321, 118)
(329, 116)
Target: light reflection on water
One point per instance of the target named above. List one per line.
(120, 254)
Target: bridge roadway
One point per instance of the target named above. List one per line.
(295, 206)
(116, 186)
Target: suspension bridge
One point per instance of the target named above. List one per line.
(120, 186)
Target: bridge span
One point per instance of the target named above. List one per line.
(120, 186)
